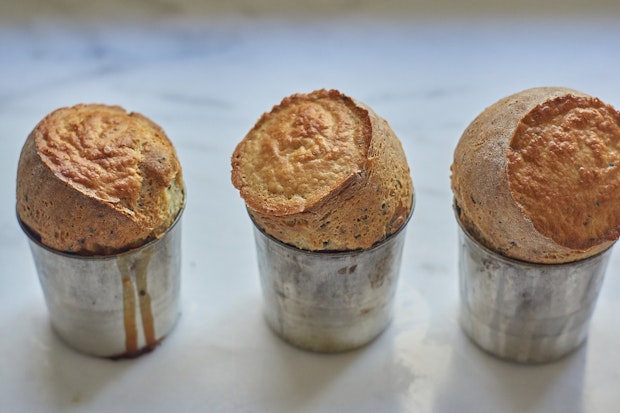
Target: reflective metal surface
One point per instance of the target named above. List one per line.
(328, 301)
(113, 306)
(524, 312)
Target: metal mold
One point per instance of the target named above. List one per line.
(526, 312)
(328, 301)
(114, 306)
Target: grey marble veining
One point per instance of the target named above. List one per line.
(206, 80)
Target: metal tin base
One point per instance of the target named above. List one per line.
(328, 301)
(525, 312)
(113, 306)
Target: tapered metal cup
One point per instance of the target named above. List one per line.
(526, 312)
(328, 301)
(119, 305)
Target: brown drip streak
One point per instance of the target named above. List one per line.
(136, 269)
(129, 307)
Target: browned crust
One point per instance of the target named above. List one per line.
(96, 180)
(505, 207)
(282, 149)
(369, 198)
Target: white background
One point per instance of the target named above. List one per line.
(205, 72)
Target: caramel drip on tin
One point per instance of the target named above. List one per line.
(136, 269)
(129, 312)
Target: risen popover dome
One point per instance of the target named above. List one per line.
(536, 176)
(96, 180)
(322, 171)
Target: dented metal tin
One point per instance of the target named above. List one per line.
(114, 306)
(526, 312)
(328, 301)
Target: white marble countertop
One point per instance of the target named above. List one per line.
(206, 75)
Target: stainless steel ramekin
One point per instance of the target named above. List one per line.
(328, 301)
(526, 312)
(112, 306)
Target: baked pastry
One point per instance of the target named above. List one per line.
(322, 171)
(536, 176)
(96, 180)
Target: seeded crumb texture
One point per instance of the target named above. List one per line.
(322, 171)
(95, 180)
(536, 176)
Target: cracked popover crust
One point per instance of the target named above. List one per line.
(536, 176)
(93, 179)
(323, 172)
